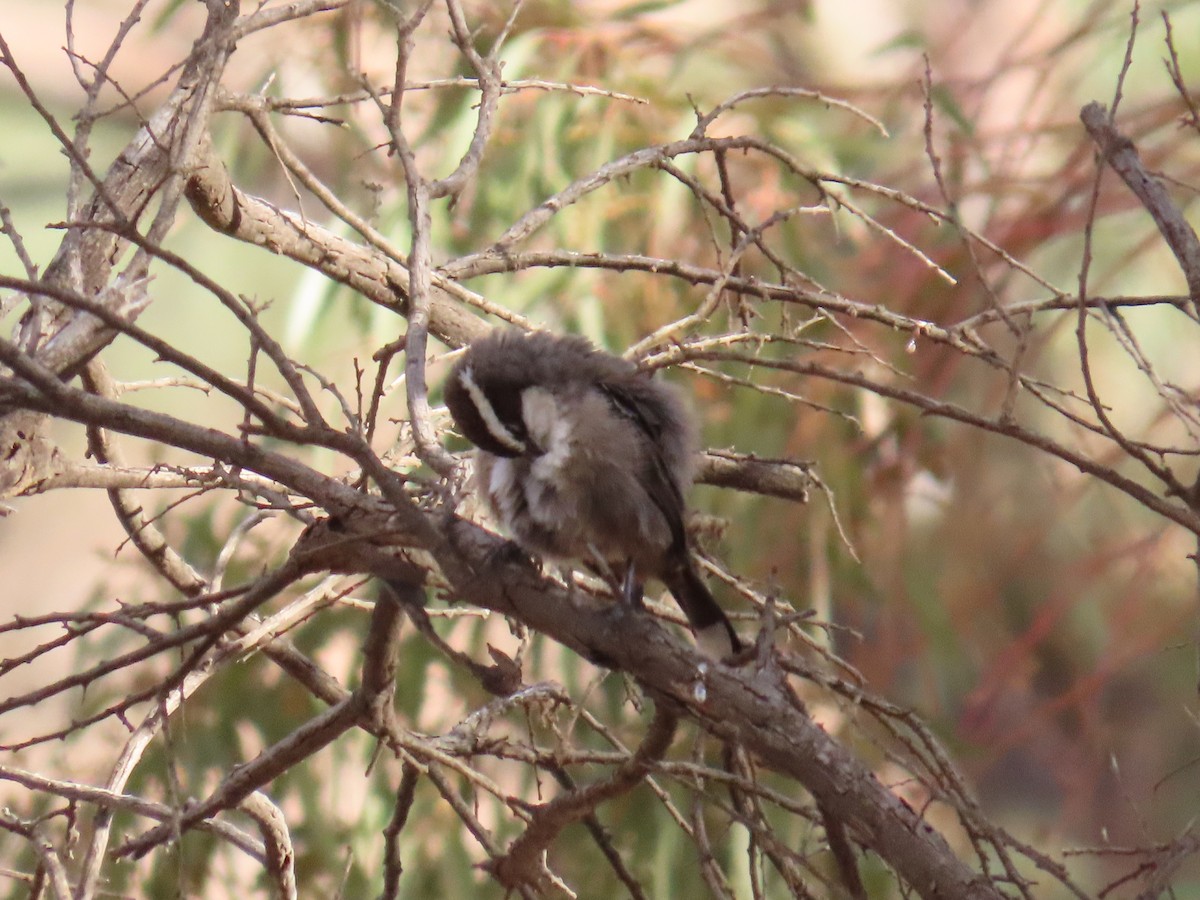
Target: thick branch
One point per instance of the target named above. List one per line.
(231, 211)
(746, 706)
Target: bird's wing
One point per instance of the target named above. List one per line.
(628, 399)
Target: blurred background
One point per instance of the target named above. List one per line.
(1041, 622)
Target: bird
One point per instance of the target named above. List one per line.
(581, 456)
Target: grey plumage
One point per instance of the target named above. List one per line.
(581, 456)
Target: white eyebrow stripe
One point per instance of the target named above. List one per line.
(487, 412)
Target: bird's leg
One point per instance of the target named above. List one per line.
(626, 587)
(631, 588)
(566, 572)
(512, 553)
(600, 566)
(504, 554)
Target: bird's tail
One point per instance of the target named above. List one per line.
(714, 633)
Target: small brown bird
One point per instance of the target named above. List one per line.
(581, 456)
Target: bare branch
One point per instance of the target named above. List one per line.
(1121, 154)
